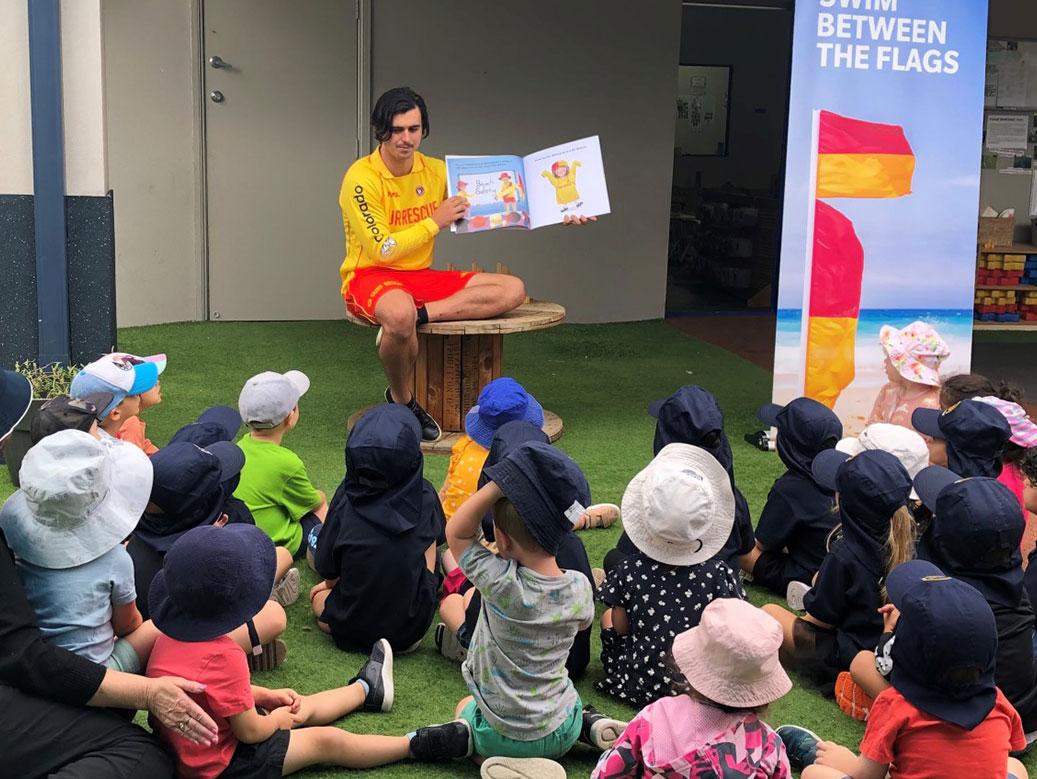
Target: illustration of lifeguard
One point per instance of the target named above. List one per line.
(508, 192)
(563, 179)
(462, 191)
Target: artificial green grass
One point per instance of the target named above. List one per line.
(598, 378)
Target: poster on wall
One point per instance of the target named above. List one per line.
(881, 192)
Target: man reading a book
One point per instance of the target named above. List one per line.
(394, 204)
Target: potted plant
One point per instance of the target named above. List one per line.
(47, 381)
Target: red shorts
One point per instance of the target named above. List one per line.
(369, 284)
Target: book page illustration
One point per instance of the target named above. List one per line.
(566, 180)
(495, 189)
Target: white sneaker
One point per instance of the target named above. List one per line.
(795, 593)
(521, 768)
(286, 591)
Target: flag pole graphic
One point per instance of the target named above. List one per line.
(808, 266)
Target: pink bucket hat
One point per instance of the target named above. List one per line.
(1024, 431)
(916, 351)
(732, 656)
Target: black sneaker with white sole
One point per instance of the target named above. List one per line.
(430, 429)
(599, 730)
(448, 741)
(377, 673)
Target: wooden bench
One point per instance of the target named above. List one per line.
(457, 359)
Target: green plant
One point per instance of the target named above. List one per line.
(47, 381)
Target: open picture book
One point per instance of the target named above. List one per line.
(539, 189)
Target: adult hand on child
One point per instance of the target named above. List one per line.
(167, 699)
(890, 616)
(578, 220)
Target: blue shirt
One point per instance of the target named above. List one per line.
(74, 605)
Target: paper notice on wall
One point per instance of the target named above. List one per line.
(990, 88)
(1033, 199)
(1006, 132)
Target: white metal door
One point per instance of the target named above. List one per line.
(280, 130)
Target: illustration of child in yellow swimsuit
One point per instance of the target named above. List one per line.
(507, 193)
(462, 192)
(563, 178)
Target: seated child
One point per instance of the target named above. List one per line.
(965, 386)
(1028, 467)
(502, 400)
(678, 512)
(791, 536)
(66, 413)
(215, 580)
(460, 608)
(220, 423)
(126, 379)
(377, 551)
(133, 429)
(523, 703)
(726, 674)
(1024, 436)
(78, 500)
(913, 357)
(691, 415)
(842, 608)
(274, 484)
(974, 537)
(967, 438)
(943, 716)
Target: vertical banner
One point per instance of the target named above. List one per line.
(881, 191)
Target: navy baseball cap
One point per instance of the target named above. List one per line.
(548, 490)
(15, 398)
(187, 487)
(219, 423)
(502, 400)
(946, 640)
(971, 426)
(975, 534)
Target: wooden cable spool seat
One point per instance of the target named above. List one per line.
(457, 359)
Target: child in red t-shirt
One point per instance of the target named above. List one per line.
(943, 716)
(215, 579)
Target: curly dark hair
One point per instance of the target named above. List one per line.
(398, 100)
(1028, 464)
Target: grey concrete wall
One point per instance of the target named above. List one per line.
(505, 78)
(151, 56)
(757, 45)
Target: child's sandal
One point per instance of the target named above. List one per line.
(270, 658)
(600, 515)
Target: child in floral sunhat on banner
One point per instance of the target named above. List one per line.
(913, 357)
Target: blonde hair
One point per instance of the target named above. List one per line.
(900, 543)
(507, 519)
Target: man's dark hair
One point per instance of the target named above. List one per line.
(396, 101)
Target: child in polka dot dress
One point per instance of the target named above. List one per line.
(678, 512)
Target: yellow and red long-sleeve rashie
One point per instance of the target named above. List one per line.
(388, 219)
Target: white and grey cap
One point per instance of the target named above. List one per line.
(268, 398)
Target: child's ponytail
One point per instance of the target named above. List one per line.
(900, 544)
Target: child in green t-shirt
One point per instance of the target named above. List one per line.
(274, 484)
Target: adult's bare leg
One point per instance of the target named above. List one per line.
(486, 295)
(398, 351)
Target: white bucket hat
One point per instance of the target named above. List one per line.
(904, 444)
(78, 499)
(680, 509)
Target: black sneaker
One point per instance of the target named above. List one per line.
(377, 672)
(598, 730)
(442, 742)
(430, 429)
(800, 744)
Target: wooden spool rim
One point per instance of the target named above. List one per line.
(535, 315)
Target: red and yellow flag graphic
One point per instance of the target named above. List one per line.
(835, 301)
(862, 159)
(854, 159)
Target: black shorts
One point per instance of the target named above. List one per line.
(816, 652)
(308, 522)
(264, 760)
(770, 571)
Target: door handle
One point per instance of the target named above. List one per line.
(218, 62)
(216, 96)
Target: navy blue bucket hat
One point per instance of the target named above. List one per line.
(15, 397)
(501, 401)
(218, 423)
(691, 415)
(946, 641)
(975, 432)
(190, 487)
(214, 579)
(805, 427)
(508, 436)
(975, 533)
(547, 488)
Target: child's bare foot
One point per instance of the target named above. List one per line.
(598, 515)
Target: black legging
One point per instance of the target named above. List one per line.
(42, 738)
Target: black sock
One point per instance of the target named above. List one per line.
(422, 315)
